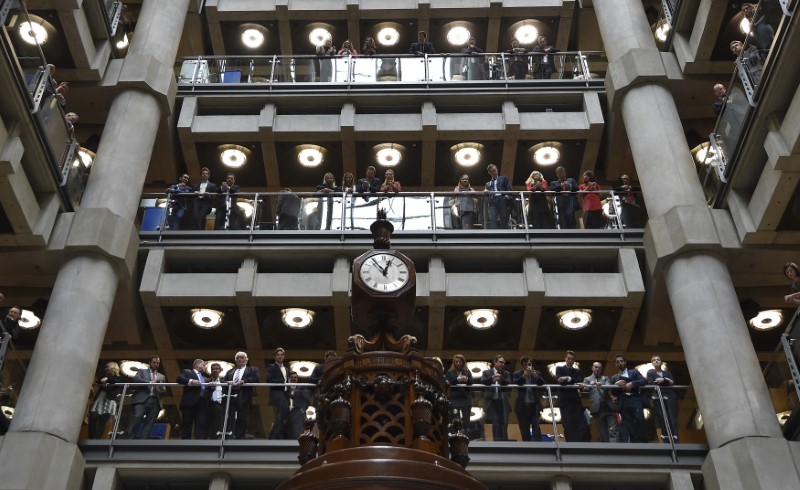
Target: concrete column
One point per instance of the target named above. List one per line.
(710, 323)
(103, 240)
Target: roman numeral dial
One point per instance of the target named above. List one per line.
(384, 273)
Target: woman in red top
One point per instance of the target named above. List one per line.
(590, 202)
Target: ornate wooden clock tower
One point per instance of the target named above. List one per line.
(382, 414)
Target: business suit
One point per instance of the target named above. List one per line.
(202, 205)
(498, 203)
(421, 48)
(496, 403)
(528, 407)
(298, 399)
(239, 410)
(601, 407)
(631, 406)
(569, 401)
(227, 208)
(146, 402)
(278, 398)
(194, 405)
(460, 398)
(566, 202)
(670, 401)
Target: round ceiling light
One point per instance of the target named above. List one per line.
(123, 43)
(318, 36)
(467, 154)
(575, 319)
(481, 319)
(767, 320)
(28, 320)
(311, 412)
(645, 368)
(297, 318)
(225, 365)
(783, 417)
(744, 26)
(130, 368)
(302, 368)
(475, 414)
(388, 36)
(8, 412)
(388, 154)
(458, 36)
(310, 156)
(546, 155)
(705, 154)
(477, 368)
(207, 319)
(551, 368)
(33, 33)
(526, 34)
(245, 207)
(233, 156)
(551, 414)
(85, 157)
(662, 30)
(253, 38)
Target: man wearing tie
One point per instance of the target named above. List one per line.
(602, 408)
(569, 401)
(216, 407)
(241, 395)
(632, 403)
(202, 203)
(278, 373)
(528, 406)
(146, 399)
(194, 409)
(498, 202)
(496, 399)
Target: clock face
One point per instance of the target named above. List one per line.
(384, 273)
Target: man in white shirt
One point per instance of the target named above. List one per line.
(239, 410)
(202, 204)
(278, 373)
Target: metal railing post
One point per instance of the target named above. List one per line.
(224, 434)
(665, 420)
(553, 421)
(117, 418)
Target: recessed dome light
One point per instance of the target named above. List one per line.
(388, 36)
(662, 30)
(744, 26)
(551, 414)
(311, 412)
(33, 33)
(225, 365)
(704, 153)
(575, 319)
(8, 412)
(245, 207)
(546, 155)
(477, 368)
(767, 320)
(302, 368)
(297, 318)
(644, 368)
(208, 319)
(84, 157)
(551, 368)
(28, 320)
(526, 34)
(467, 154)
(458, 36)
(130, 368)
(309, 157)
(783, 417)
(481, 319)
(388, 154)
(318, 36)
(253, 38)
(233, 156)
(123, 43)
(475, 414)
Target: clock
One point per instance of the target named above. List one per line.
(384, 273)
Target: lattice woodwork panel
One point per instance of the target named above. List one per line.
(384, 421)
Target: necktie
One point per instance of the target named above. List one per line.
(202, 381)
(237, 376)
(496, 394)
(152, 380)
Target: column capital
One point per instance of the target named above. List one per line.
(98, 230)
(147, 73)
(634, 67)
(681, 229)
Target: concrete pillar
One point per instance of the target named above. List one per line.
(710, 323)
(107, 478)
(220, 481)
(103, 242)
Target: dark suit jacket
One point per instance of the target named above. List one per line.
(488, 395)
(143, 392)
(274, 375)
(459, 397)
(11, 327)
(203, 203)
(316, 374)
(250, 375)
(419, 48)
(518, 378)
(371, 187)
(192, 395)
(503, 185)
(569, 395)
(637, 381)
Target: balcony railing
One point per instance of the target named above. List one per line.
(347, 215)
(574, 68)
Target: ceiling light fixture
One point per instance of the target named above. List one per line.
(123, 43)
(84, 157)
(526, 34)
(233, 156)
(574, 319)
(28, 320)
(481, 319)
(297, 318)
(253, 38)
(318, 36)
(475, 414)
(467, 154)
(310, 155)
(130, 368)
(477, 368)
(662, 30)
(225, 365)
(388, 154)
(704, 153)
(302, 368)
(545, 154)
(245, 207)
(311, 413)
(552, 414)
(388, 36)
(767, 320)
(458, 36)
(8, 412)
(551, 368)
(33, 33)
(783, 417)
(744, 26)
(645, 368)
(206, 318)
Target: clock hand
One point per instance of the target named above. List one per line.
(383, 271)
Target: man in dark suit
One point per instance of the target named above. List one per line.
(498, 202)
(299, 398)
(495, 399)
(288, 209)
(422, 46)
(241, 395)
(569, 401)
(202, 203)
(146, 399)
(227, 215)
(629, 201)
(278, 373)
(10, 324)
(528, 407)
(369, 184)
(632, 403)
(316, 374)
(566, 199)
(194, 402)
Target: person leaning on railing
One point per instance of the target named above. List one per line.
(464, 206)
(590, 202)
(109, 389)
(389, 184)
(10, 323)
(750, 59)
(792, 272)
(460, 398)
(545, 63)
(539, 213)
(663, 379)
(177, 203)
(518, 57)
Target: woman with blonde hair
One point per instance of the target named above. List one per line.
(539, 214)
(389, 184)
(109, 389)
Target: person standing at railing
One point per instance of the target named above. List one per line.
(278, 373)
(177, 203)
(10, 323)
(662, 378)
(325, 207)
(326, 52)
(631, 402)
(146, 399)
(104, 405)
(389, 184)
(288, 209)
(545, 62)
(760, 29)
(539, 213)
(473, 68)
(299, 398)
(422, 46)
(518, 60)
(71, 118)
(566, 199)
(460, 397)
(241, 394)
(369, 184)
(750, 59)
(202, 203)
(601, 406)
(464, 206)
(569, 401)
(527, 406)
(590, 202)
(228, 216)
(348, 184)
(348, 49)
(216, 405)
(495, 399)
(629, 202)
(792, 272)
(194, 401)
(498, 201)
(369, 48)
(722, 99)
